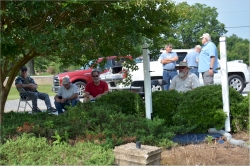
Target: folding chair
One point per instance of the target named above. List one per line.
(23, 98)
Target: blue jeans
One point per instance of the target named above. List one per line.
(60, 106)
(168, 75)
(195, 71)
(37, 95)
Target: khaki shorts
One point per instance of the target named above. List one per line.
(207, 79)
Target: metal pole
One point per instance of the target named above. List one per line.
(147, 82)
(224, 81)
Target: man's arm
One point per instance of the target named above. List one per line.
(195, 81)
(74, 96)
(173, 84)
(31, 85)
(212, 59)
(169, 60)
(211, 71)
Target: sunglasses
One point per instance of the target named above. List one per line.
(24, 70)
(95, 75)
(181, 67)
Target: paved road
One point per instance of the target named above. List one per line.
(13, 105)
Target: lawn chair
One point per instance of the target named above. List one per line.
(23, 98)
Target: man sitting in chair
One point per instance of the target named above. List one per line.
(28, 84)
(67, 95)
(96, 88)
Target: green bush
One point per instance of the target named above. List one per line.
(240, 115)
(164, 104)
(201, 109)
(128, 102)
(29, 150)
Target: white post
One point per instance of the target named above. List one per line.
(147, 82)
(224, 81)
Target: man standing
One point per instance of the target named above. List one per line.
(168, 60)
(96, 88)
(185, 80)
(192, 60)
(208, 60)
(67, 95)
(28, 84)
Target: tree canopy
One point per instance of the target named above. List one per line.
(193, 21)
(237, 48)
(77, 31)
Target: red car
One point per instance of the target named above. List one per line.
(81, 77)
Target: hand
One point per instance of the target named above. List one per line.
(58, 100)
(98, 96)
(32, 86)
(211, 72)
(63, 100)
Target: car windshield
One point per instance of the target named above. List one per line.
(87, 66)
(138, 60)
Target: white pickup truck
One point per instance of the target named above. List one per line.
(238, 73)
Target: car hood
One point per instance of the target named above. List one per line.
(76, 72)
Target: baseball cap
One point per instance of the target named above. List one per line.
(65, 80)
(23, 68)
(206, 35)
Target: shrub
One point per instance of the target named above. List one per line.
(164, 104)
(29, 150)
(240, 115)
(128, 102)
(202, 108)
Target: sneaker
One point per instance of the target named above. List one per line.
(51, 109)
(36, 111)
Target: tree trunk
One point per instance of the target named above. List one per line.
(5, 89)
(31, 69)
(3, 97)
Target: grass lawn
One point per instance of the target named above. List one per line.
(41, 88)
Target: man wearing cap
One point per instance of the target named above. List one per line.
(185, 80)
(96, 88)
(192, 60)
(168, 60)
(67, 95)
(28, 84)
(208, 59)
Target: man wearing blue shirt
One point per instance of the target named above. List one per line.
(168, 60)
(208, 59)
(192, 60)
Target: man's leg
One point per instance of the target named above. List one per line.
(59, 107)
(172, 74)
(207, 79)
(195, 71)
(74, 102)
(166, 77)
(33, 96)
(45, 97)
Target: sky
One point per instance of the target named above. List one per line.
(233, 13)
